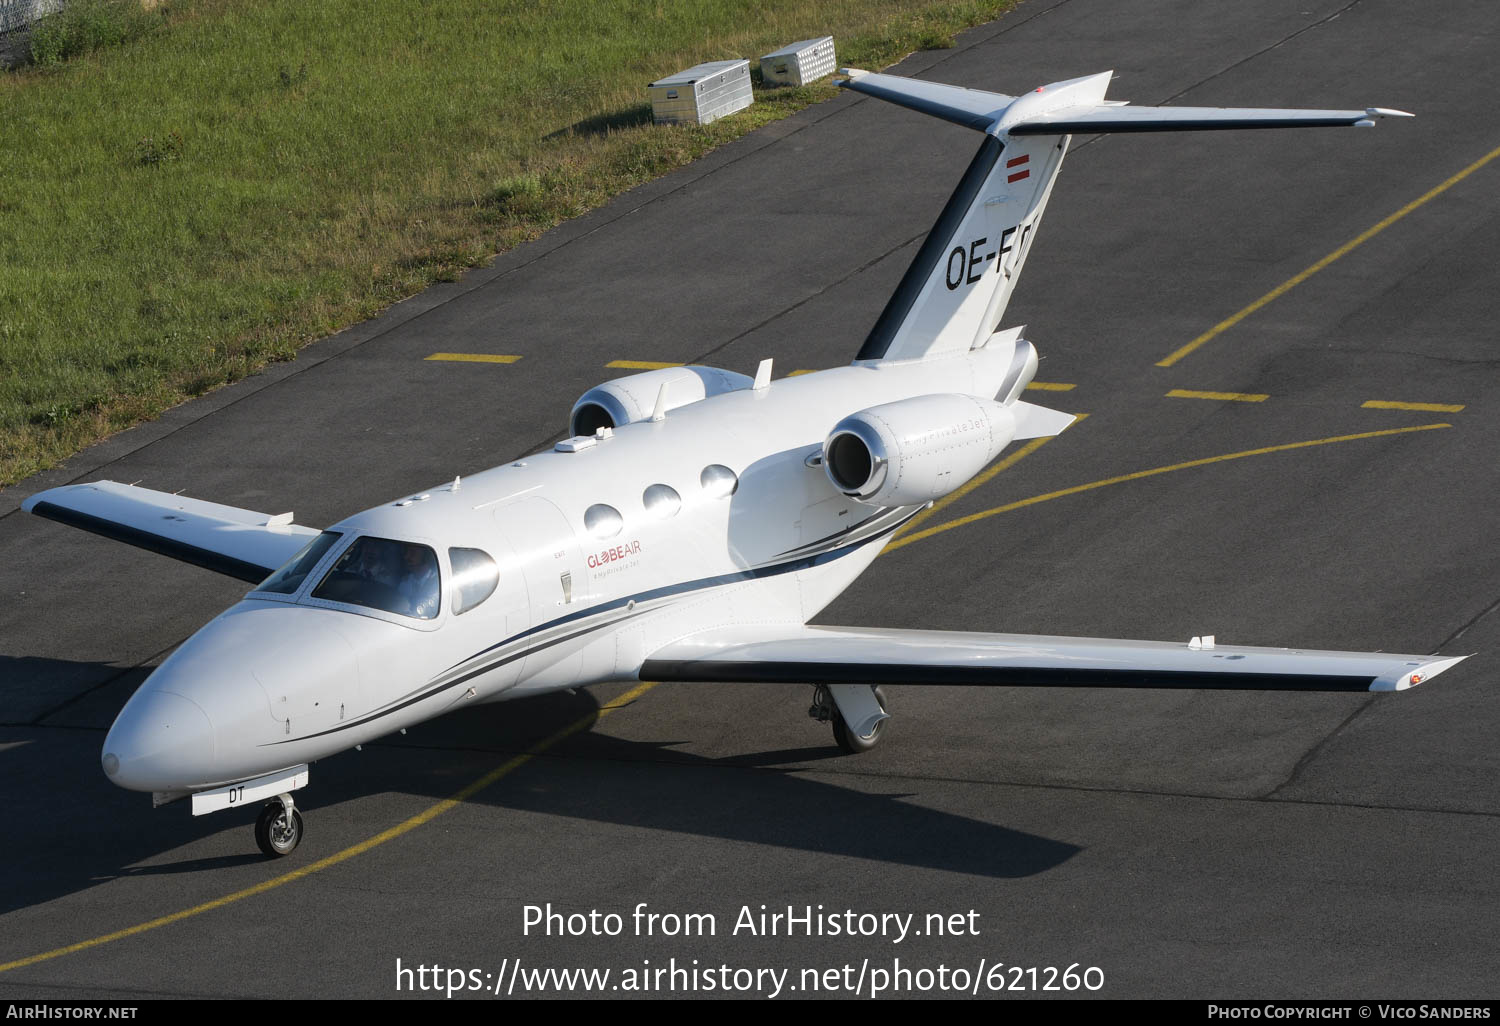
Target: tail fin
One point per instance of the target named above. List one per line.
(955, 291)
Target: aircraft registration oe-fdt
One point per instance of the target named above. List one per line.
(687, 531)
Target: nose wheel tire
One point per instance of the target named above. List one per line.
(851, 742)
(278, 830)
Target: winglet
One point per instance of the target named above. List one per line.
(1411, 675)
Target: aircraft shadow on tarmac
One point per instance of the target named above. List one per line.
(84, 832)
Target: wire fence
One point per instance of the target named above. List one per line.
(17, 14)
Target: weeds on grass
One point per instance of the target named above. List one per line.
(159, 148)
(180, 210)
(83, 26)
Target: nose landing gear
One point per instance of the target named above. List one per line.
(824, 709)
(278, 830)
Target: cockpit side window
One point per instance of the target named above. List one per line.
(474, 578)
(398, 577)
(290, 577)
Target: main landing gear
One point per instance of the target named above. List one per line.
(278, 830)
(824, 709)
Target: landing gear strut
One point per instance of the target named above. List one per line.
(278, 830)
(824, 709)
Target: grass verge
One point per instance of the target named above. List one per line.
(240, 177)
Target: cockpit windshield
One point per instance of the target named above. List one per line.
(398, 577)
(290, 577)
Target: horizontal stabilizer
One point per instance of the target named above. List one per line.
(1038, 421)
(972, 108)
(236, 542)
(1058, 109)
(1108, 117)
(955, 292)
(850, 655)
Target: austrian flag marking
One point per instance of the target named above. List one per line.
(1017, 162)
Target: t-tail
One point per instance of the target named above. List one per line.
(955, 291)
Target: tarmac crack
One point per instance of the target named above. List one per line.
(1266, 49)
(1317, 750)
(1450, 639)
(106, 682)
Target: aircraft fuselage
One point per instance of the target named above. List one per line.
(717, 515)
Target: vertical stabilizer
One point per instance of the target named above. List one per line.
(955, 291)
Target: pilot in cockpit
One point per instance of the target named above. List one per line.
(378, 563)
(419, 581)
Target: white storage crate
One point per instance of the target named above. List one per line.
(799, 63)
(701, 94)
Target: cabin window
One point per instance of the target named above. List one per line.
(290, 577)
(661, 501)
(718, 481)
(396, 576)
(603, 521)
(474, 578)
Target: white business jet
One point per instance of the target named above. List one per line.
(689, 528)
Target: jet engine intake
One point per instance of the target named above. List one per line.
(633, 398)
(915, 450)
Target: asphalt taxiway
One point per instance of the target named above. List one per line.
(1339, 492)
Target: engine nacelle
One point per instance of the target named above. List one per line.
(633, 397)
(916, 450)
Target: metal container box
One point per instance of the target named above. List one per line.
(701, 94)
(799, 63)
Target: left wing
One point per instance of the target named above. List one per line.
(225, 539)
(854, 655)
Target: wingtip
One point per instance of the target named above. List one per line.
(1407, 679)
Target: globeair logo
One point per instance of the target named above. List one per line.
(598, 559)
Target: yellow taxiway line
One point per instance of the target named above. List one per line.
(640, 365)
(1379, 404)
(1233, 397)
(1345, 249)
(473, 357)
(1139, 474)
(584, 723)
(405, 826)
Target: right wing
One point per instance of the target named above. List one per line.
(225, 539)
(855, 655)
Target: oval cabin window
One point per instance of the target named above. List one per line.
(718, 481)
(474, 578)
(603, 521)
(661, 501)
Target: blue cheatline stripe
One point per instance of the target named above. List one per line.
(753, 573)
(769, 570)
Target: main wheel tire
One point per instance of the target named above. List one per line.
(276, 833)
(852, 743)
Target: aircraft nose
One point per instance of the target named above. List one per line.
(161, 741)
